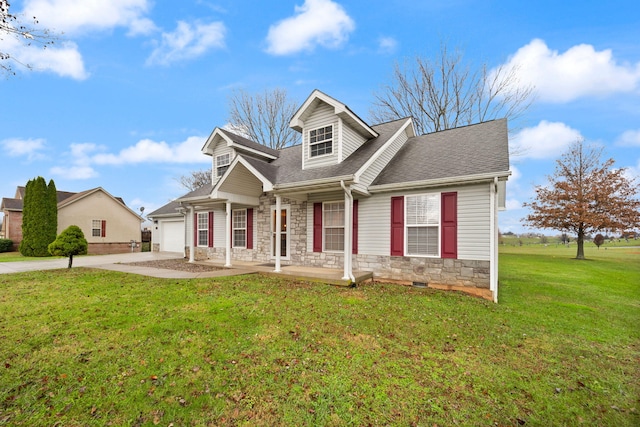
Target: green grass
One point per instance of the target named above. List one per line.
(85, 347)
(17, 256)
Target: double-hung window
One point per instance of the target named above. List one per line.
(423, 224)
(240, 228)
(321, 141)
(98, 228)
(333, 225)
(222, 164)
(203, 229)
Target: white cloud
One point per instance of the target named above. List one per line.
(62, 59)
(188, 41)
(148, 151)
(630, 138)
(547, 140)
(30, 148)
(316, 22)
(578, 72)
(513, 204)
(74, 172)
(387, 45)
(74, 16)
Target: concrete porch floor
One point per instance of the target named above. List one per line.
(314, 274)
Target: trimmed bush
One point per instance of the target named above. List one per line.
(6, 245)
(69, 243)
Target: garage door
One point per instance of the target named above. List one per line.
(172, 236)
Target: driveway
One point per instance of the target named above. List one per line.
(96, 261)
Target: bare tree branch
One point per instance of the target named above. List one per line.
(195, 179)
(263, 118)
(446, 92)
(16, 27)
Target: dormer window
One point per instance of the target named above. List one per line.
(321, 141)
(222, 164)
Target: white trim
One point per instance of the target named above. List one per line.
(324, 141)
(407, 226)
(324, 226)
(454, 180)
(227, 233)
(381, 150)
(233, 228)
(192, 244)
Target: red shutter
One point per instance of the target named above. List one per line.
(317, 227)
(449, 213)
(103, 232)
(397, 226)
(195, 229)
(250, 228)
(210, 230)
(355, 227)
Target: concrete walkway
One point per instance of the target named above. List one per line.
(120, 262)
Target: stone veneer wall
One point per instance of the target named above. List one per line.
(432, 271)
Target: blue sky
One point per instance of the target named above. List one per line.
(131, 89)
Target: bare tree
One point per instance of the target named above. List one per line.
(446, 92)
(585, 195)
(16, 27)
(195, 179)
(263, 118)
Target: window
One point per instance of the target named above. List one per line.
(240, 228)
(333, 226)
(423, 224)
(98, 228)
(203, 229)
(321, 141)
(222, 164)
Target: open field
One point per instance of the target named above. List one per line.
(91, 347)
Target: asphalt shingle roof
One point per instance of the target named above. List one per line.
(470, 150)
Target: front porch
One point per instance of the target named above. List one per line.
(297, 272)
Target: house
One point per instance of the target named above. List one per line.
(107, 223)
(416, 209)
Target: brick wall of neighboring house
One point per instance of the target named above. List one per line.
(111, 248)
(13, 227)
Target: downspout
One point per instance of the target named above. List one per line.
(192, 243)
(348, 233)
(493, 254)
(227, 243)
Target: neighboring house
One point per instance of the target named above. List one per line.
(107, 223)
(354, 197)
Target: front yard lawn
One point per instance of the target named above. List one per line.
(86, 347)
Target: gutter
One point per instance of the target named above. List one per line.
(313, 182)
(455, 180)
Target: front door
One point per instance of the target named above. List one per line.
(284, 234)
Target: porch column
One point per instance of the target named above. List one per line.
(229, 237)
(192, 244)
(348, 233)
(278, 232)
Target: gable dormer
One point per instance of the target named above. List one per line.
(331, 132)
(223, 146)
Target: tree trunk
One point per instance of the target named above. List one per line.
(70, 260)
(580, 254)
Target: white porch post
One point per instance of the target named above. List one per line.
(348, 233)
(192, 244)
(277, 234)
(229, 237)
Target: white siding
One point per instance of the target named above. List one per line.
(374, 222)
(219, 228)
(242, 182)
(322, 116)
(374, 217)
(351, 141)
(474, 222)
(376, 167)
